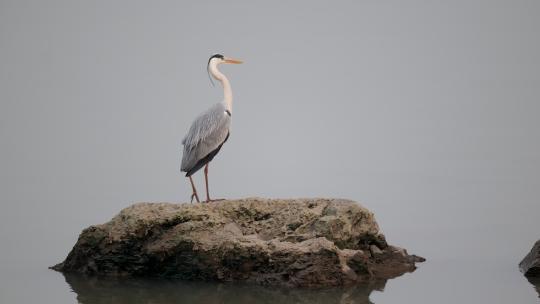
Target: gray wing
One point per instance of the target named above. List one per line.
(206, 133)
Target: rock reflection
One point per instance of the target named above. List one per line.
(99, 290)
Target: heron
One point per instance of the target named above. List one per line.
(210, 130)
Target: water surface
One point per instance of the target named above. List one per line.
(434, 282)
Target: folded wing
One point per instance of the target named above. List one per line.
(206, 135)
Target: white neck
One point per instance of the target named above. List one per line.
(227, 91)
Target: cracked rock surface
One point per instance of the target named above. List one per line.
(291, 242)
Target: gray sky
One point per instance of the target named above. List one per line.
(424, 111)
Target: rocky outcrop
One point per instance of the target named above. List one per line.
(300, 242)
(535, 281)
(530, 265)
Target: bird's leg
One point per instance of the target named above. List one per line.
(194, 194)
(207, 191)
(206, 181)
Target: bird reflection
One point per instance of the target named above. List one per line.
(100, 290)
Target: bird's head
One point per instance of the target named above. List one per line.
(218, 59)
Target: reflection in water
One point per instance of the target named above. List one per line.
(536, 284)
(93, 290)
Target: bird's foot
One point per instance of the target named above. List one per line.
(213, 200)
(194, 195)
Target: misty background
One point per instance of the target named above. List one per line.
(426, 112)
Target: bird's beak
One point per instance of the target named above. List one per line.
(233, 61)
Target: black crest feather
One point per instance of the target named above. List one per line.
(208, 65)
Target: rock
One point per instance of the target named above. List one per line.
(530, 265)
(300, 242)
(535, 281)
(375, 251)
